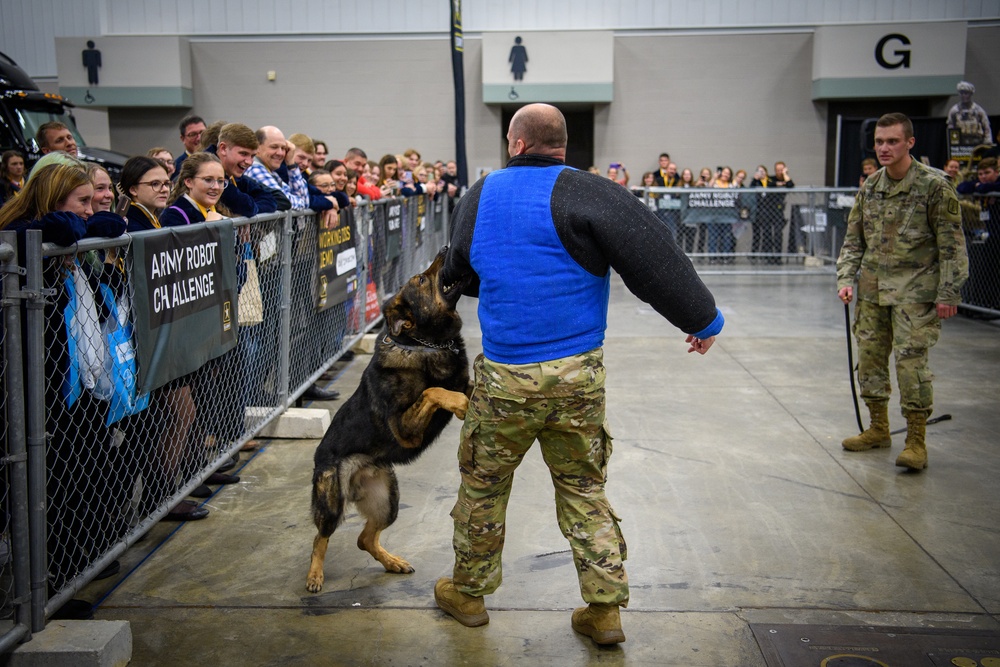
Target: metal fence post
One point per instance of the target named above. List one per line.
(36, 437)
(285, 309)
(16, 454)
(363, 225)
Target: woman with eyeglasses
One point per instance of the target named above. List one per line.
(172, 409)
(146, 183)
(195, 197)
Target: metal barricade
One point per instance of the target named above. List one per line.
(94, 488)
(981, 225)
(15, 590)
(754, 229)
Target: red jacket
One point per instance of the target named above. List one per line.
(368, 190)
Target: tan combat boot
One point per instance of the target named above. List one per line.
(915, 454)
(600, 622)
(469, 610)
(876, 435)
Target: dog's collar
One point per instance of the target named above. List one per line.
(449, 345)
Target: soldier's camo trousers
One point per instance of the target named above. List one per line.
(561, 403)
(909, 330)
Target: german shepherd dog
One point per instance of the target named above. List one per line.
(417, 378)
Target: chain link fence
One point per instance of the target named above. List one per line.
(765, 230)
(755, 229)
(981, 224)
(305, 293)
(15, 592)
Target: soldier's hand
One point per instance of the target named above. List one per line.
(846, 294)
(701, 346)
(944, 311)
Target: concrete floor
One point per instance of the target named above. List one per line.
(739, 507)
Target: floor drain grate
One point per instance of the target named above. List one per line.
(787, 645)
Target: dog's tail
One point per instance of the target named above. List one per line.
(327, 500)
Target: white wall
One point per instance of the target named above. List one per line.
(708, 100)
(383, 96)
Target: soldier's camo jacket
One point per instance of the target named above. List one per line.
(906, 238)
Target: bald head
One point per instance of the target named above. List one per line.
(272, 147)
(539, 129)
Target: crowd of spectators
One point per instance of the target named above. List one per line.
(224, 170)
(718, 240)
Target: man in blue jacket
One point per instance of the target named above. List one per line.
(536, 242)
(235, 150)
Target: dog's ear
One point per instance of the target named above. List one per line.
(399, 317)
(399, 324)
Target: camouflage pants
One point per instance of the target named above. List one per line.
(909, 330)
(561, 403)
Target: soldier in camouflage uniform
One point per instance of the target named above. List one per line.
(535, 242)
(904, 235)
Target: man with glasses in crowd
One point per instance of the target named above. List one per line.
(191, 128)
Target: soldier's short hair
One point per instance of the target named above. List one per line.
(890, 119)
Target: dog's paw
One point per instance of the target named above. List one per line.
(397, 565)
(314, 583)
(393, 563)
(461, 407)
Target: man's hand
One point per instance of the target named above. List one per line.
(698, 345)
(846, 294)
(944, 311)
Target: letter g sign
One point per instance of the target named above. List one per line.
(903, 55)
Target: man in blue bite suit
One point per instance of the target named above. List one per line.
(535, 243)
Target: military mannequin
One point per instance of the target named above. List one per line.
(969, 118)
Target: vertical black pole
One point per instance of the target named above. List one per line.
(458, 74)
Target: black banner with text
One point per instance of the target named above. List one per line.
(185, 299)
(337, 261)
(393, 230)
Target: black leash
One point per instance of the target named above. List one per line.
(934, 420)
(850, 364)
(854, 391)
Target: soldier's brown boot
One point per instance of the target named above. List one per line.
(915, 454)
(469, 610)
(876, 435)
(600, 622)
